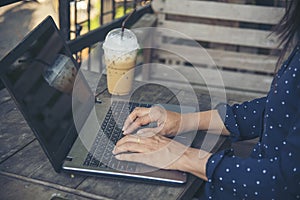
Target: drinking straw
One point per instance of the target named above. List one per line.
(124, 22)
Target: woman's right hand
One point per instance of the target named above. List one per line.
(168, 123)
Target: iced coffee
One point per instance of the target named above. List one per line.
(120, 52)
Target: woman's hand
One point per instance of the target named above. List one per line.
(168, 123)
(163, 153)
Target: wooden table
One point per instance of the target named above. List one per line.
(26, 173)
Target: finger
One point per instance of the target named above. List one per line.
(130, 147)
(130, 138)
(133, 157)
(137, 124)
(131, 117)
(143, 158)
(137, 112)
(148, 132)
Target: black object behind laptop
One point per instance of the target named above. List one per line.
(27, 72)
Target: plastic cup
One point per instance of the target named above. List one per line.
(120, 52)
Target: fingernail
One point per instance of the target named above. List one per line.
(117, 156)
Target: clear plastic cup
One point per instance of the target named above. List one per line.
(120, 52)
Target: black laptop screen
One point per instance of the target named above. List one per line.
(39, 73)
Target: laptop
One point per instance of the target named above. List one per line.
(79, 142)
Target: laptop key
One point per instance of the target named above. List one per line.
(88, 159)
(106, 158)
(102, 165)
(131, 167)
(122, 165)
(94, 163)
(114, 163)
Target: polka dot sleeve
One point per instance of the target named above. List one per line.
(276, 177)
(244, 121)
(273, 176)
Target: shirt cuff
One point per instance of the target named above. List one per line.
(214, 161)
(228, 118)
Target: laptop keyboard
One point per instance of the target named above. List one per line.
(100, 154)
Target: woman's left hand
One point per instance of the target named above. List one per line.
(153, 150)
(163, 153)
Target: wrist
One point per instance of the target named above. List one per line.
(211, 120)
(194, 161)
(196, 121)
(190, 122)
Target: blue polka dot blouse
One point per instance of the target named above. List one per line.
(273, 169)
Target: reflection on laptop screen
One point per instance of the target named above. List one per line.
(40, 74)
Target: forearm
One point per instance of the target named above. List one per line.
(206, 120)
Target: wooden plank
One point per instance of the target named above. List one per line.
(147, 20)
(6, 102)
(214, 78)
(209, 99)
(156, 93)
(204, 98)
(4, 96)
(46, 173)
(141, 28)
(116, 189)
(13, 188)
(32, 162)
(224, 35)
(14, 133)
(228, 59)
(219, 10)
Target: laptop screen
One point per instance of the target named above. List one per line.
(39, 73)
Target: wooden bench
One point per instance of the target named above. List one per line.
(235, 35)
